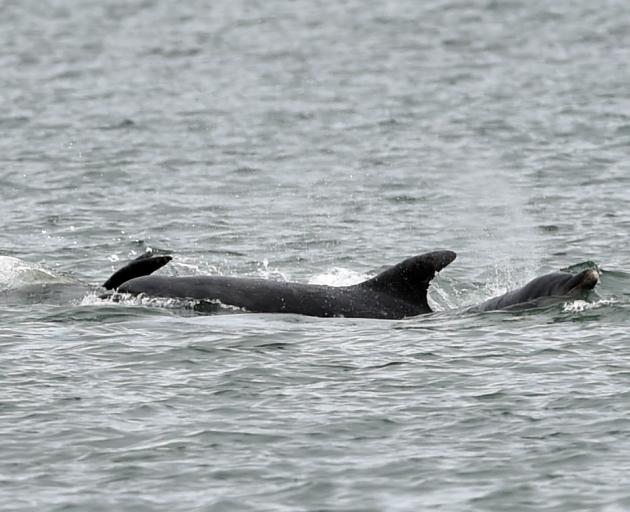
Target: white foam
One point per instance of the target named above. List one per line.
(147, 301)
(578, 306)
(94, 299)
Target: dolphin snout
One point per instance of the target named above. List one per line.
(587, 279)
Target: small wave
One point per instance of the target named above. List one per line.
(578, 267)
(16, 273)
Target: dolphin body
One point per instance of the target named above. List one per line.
(398, 292)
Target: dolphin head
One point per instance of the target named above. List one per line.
(564, 284)
(583, 282)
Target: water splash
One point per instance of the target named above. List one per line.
(267, 272)
(337, 276)
(16, 273)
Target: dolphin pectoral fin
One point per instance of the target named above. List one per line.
(410, 279)
(141, 266)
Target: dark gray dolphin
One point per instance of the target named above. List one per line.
(545, 289)
(400, 291)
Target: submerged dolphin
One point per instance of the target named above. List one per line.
(399, 292)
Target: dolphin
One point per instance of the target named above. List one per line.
(543, 290)
(398, 292)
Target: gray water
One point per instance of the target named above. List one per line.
(315, 142)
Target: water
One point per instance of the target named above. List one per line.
(314, 141)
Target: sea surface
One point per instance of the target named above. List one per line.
(313, 141)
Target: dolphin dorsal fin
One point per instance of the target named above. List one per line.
(409, 279)
(143, 265)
